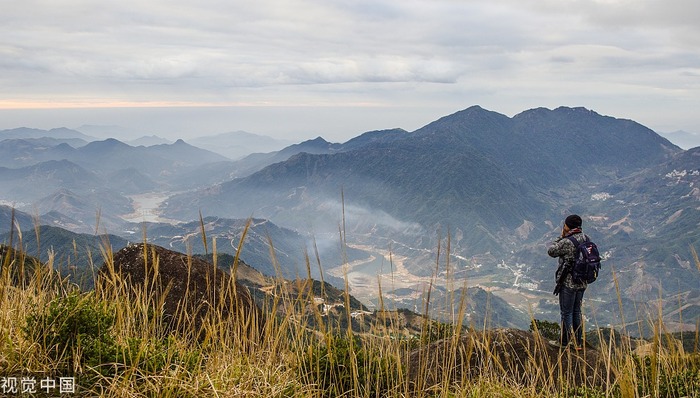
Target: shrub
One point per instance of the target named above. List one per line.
(666, 381)
(73, 329)
(548, 330)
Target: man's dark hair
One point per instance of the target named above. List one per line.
(573, 221)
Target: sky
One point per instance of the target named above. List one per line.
(336, 68)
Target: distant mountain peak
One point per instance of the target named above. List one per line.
(149, 140)
(316, 145)
(110, 144)
(317, 140)
(475, 112)
(63, 130)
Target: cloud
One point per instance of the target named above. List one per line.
(445, 54)
(363, 216)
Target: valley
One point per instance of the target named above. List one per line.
(386, 272)
(146, 208)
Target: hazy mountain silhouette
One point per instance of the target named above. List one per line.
(683, 139)
(238, 144)
(25, 132)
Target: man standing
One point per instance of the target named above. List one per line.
(570, 291)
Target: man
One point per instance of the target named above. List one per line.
(570, 291)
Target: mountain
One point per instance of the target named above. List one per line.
(157, 162)
(31, 182)
(93, 180)
(131, 181)
(58, 133)
(374, 137)
(80, 195)
(561, 143)
(47, 142)
(290, 249)
(94, 210)
(184, 153)
(238, 144)
(64, 187)
(475, 170)
(27, 223)
(658, 222)
(269, 248)
(75, 255)
(16, 153)
(149, 140)
(25, 147)
(8, 214)
(107, 156)
(218, 172)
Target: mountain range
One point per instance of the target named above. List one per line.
(488, 189)
(475, 171)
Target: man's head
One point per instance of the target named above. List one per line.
(573, 221)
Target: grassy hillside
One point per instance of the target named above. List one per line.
(113, 346)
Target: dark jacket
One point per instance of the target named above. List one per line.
(566, 251)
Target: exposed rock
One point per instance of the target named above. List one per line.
(190, 292)
(514, 355)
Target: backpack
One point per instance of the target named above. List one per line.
(586, 261)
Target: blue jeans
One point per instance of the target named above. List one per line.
(570, 308)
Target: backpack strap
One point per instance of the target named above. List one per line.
(573, 240)
(576, 242)
(576, 250)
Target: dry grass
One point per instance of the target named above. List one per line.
(292, 359)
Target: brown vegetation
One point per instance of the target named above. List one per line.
(189, 291)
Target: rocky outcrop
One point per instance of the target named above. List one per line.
(193, 296)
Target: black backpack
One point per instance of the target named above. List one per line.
(586, 261)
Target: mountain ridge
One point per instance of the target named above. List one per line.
(475, 160)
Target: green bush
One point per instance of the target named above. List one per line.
(658, 378)
(548, 330)
(75, 328)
